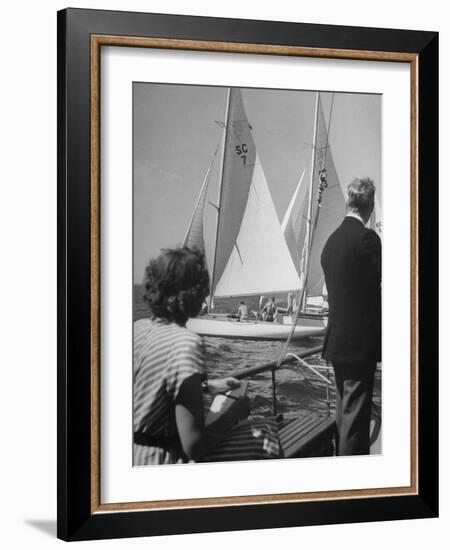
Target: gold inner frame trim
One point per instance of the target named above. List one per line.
(97, 41)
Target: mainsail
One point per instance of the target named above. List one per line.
(317, 212)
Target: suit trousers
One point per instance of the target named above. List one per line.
(354, 388)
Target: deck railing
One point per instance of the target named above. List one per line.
(289, 359)
(272, 365)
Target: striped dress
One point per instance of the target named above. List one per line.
(165, 354)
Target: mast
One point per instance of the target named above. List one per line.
(227, 110)
(310, 203)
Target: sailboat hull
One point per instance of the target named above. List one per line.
(253, 330)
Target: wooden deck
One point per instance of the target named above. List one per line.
(310, 434)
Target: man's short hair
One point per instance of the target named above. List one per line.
(360, 195)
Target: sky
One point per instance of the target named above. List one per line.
(175, 136)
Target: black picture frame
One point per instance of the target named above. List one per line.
(77, 518)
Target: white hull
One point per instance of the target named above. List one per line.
(255, 330)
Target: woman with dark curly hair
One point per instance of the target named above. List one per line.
(169, 375)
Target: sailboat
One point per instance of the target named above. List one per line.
(248, 254)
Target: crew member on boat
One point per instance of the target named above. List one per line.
(268, 311)
(289, 303)
(242, 313)
(169, 376)
(351, 260)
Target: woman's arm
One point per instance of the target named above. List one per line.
(197, 439)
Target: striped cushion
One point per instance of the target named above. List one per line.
(251, 439)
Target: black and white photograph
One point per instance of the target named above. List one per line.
(224, 283)
(257, 245)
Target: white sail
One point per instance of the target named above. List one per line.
(260, 261)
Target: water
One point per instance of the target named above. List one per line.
(297, 388)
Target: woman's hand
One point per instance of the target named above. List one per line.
(196, 438)
(221, 385)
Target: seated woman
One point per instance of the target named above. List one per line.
(169, 376)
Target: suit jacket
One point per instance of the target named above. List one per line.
(351, 261)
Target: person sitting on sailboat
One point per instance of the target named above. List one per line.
(169, 376)
(268, 311)
(242, 314)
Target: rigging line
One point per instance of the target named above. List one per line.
(225, 138)
(295, 320)
(305, 282)
(297, 313)
(239, 252)
(303, 363)
(311, 187)
(308, 240)
(328, 130)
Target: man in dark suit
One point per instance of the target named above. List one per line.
(351, 261)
